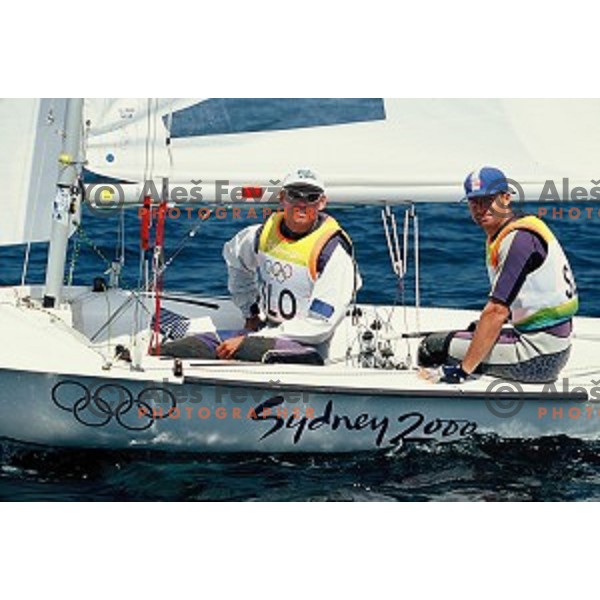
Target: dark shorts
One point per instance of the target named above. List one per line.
(254, 348)
(536, 357)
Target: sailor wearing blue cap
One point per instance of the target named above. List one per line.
(524, 331)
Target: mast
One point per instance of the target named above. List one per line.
(64, 206)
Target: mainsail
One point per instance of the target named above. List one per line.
(366, 149)
(29, 148)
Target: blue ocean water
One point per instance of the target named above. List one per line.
(452, 274)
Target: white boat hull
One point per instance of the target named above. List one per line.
(201, 416)
(57, 388)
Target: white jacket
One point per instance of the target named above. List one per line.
(334, 286)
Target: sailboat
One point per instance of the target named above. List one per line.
(79, 370)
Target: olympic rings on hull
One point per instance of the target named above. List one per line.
(93, 409)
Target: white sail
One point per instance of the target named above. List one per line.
(30, 143)
(418, 149)
(126, 137)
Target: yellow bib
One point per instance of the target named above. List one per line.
(530, 223)
(287, 269)
(305, 251)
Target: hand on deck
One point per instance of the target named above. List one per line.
(453, 374)
(228, 348)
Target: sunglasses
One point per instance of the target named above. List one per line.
(482, 200)
(295, 196)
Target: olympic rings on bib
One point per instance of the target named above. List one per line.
(279, 271)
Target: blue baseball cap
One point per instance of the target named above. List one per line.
(486, 181)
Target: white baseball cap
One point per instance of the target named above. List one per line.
(303, 177)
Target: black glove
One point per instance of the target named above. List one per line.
(453, 374)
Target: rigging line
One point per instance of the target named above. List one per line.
(385, 221)
(417, 270)
(181, 246)
(74, 256)
(405, 309)
(109, 336)
(139, 302)
(94, 247)
(121, 238)
(153, 134)
(401, 265)
(120, 245)
(353, 303)
(401, 290)
(137, 295)
(406, 236)
(143, 261)
(399, 259)
(391, 236)
(135, 325)
(168, 139)
(158, 264)
(147, 144)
